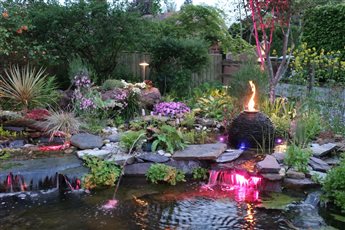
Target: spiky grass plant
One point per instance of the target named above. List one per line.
(27, 87)
(61, 121)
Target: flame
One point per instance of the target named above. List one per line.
(251, 103)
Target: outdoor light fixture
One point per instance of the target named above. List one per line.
(144, 65)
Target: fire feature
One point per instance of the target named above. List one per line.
(251, 128)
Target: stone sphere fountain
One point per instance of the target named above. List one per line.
(251, 128)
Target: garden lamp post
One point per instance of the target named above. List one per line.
(144, 64)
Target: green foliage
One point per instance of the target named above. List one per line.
(164, 173)
(324, 27)
(26, 87)
(173, 60)
(5, 154)
(77, 66)
(112, 84)
(102, 173)
(132, 140)
(204, 22)
(168, 138)
(6, 133)
(314, 67)
(215, 105)
(195, 137)
(297, 158)
(334, 185)
(200, 173)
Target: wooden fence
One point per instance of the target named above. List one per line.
(131, 61)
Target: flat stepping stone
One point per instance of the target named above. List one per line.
(156, 158)
(86, 141)
(318, 164)
(95, 153)
(322, 150)
(299, 183)
(229, 155)
(272, 176)
(268, 165)
(201, 152)
(279, 157)
(293, 174)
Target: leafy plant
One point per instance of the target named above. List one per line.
(61, 121)
(132, 140)
(195, 137)
(112, 84)
(27, 87)
(6, 133)
(297, 158)
(168, 138)
(102, 173)
(200, 173)
(164, 173)
(334, 185)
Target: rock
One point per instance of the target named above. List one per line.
(291, 173)
(113, 147)
(137, 169)
(46, 140)
(121, 159)
(69, 151)
(318, 164)
(16, 144)
(229, 155)
(91, 152)
(282, 171)
(333, 161)
(279, 157)
(299, 183)
(114, 137)
(206, 122)
(322, 150)
(14, 128)
(268, 165)
(319, 175)
(86, 141)
(186, 166)
(110, 130)
(161, 152)
(168, 155)
(272, 176)
(201, 152)
(151, 157)
(150, 97)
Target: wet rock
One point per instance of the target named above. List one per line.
(279, 157)
(229, 155)
(46, 140)
(92, 152)
(299, 183)
(272, 176)
(168, 155)
(86, 141)
(318, 164)
(268, 165)
(151, 157)
(137, 169)
(161, 152)
(291, 173)
(201, 152)
(272, 186)
(121, 159)
(114, 137)
(186, 166)
(333, 161)
(322, 150)
(320, 176)
(16, 144)
(113, 147)
(206, 122)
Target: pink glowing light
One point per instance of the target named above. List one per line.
(55, 147)
(111, 204)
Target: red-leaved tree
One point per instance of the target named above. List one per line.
(268, 15)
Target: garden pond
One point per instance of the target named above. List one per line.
(148, 206)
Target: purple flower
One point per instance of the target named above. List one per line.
(87, 103)
(171, 109)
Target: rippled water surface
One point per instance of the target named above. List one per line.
(140, 206)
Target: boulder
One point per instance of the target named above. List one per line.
(86, 141)
(149, 97)
(333, 161)
(114, 137)
(279, 157)
(121, 159)
(318, 164)
(272, 176)
(268, 165)
(322, 150)
(186, 166)
(151, 157)
(138, 169)
(229, 155)
(299, 183)
(201, 152)
(291, 173)
(93, 152)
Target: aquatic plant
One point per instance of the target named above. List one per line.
(164, 173)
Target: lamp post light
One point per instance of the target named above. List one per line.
(144, 64)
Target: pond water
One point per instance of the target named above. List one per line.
(140, 206)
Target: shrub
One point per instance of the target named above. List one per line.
(297, 158)
(168, 138)
(112, 84)
(171, 109)
(200, 173)
(334, 185)
(164, 173)
(102, 173)
(132, 140)
(27, 87)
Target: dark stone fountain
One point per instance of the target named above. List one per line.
(251, 129)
